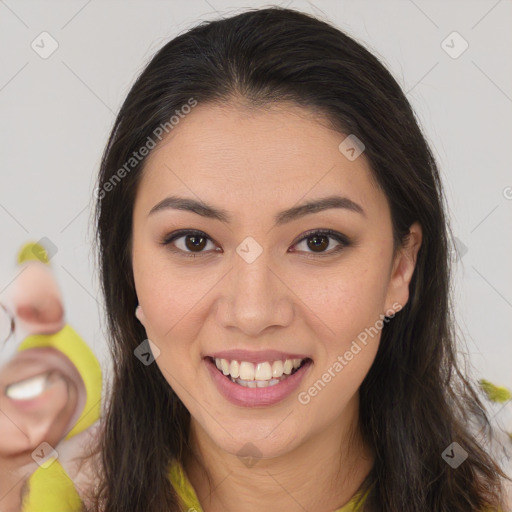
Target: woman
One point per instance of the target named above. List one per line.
(272, 219)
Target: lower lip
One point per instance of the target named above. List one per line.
(255, 397)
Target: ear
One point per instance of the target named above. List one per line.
(403, 268)
(140, 315)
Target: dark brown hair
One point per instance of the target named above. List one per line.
(415, 401)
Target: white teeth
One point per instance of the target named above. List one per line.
(234, 369)
(277, 369)
(28, 388)
(246, 371)
(263, 371)
(225, 366)
(260, 375)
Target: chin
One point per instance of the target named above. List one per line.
(256, 442)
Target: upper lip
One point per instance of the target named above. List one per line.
(256, 356)
(32, 362)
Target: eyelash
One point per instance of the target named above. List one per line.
(339, 237)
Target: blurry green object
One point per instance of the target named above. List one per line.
(33, 251)
(495, 393)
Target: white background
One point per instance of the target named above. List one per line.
(56, 114)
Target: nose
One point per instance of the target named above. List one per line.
(256, 298)
(43, 316)
(37, 301)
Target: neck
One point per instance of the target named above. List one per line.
(322, 473)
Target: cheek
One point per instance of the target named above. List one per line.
(162, 293)
(344, 301)
(173, 300)
(349, 305)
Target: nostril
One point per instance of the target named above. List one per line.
(48, 312)
(27, 312)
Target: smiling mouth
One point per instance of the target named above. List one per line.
(260, 375)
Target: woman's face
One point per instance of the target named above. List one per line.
(255, 286)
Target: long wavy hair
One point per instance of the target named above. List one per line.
(415, 400)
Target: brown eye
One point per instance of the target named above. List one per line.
(318, 243)
(188, 243)
(195, 242)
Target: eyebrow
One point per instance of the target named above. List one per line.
(296, 212)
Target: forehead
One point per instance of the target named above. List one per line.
(266, 157)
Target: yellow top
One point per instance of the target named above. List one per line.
(187, 494)
(51, 490)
